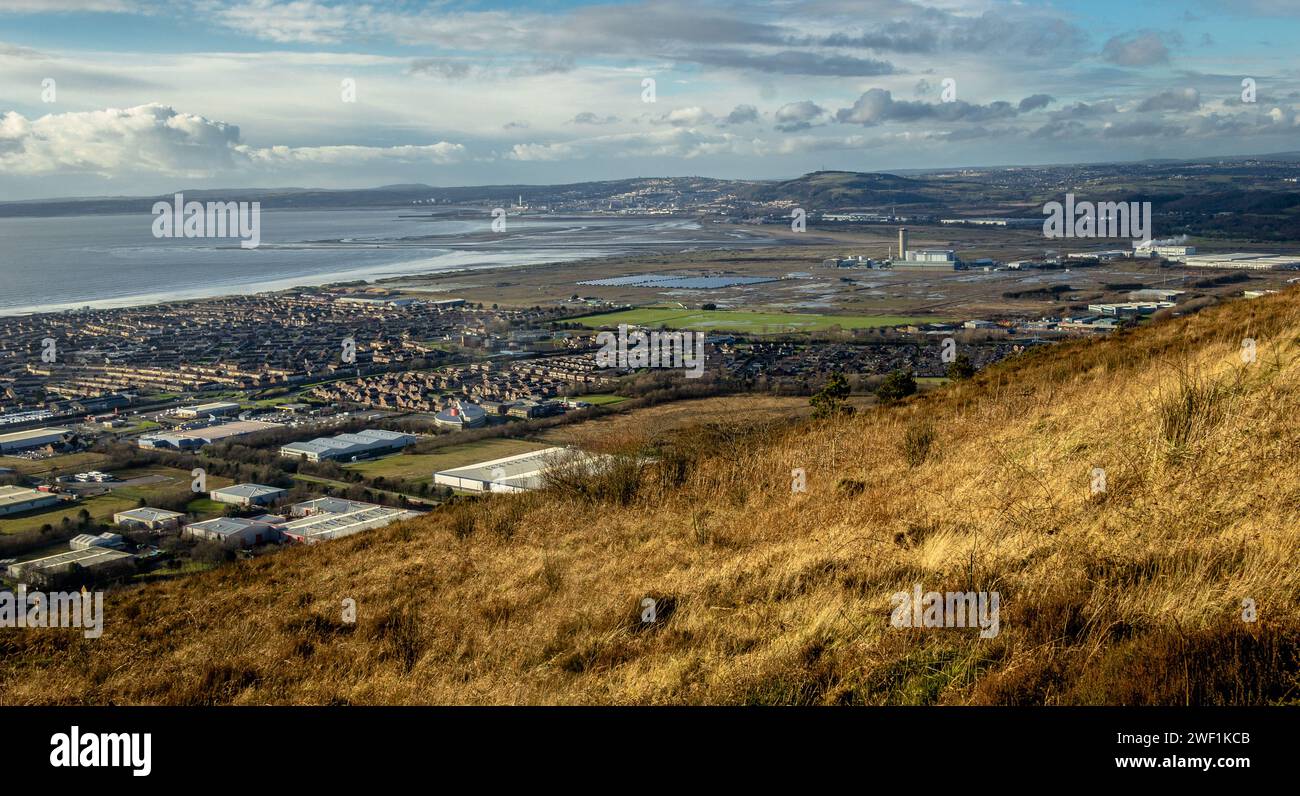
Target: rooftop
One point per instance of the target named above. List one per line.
(146, 514)
(33, 433)
(248, 490)
(10, 495)
(85, 557)
(225, 526)
(523, 470)
(343, 518)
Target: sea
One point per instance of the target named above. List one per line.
(67, 262)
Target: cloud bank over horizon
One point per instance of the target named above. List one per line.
(112, 97)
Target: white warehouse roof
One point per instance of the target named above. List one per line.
(248, 490)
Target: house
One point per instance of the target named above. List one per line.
(247, 495)
(233, 532)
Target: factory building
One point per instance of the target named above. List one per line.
(147, 519)
(234, 531)
(529, 409)
(247, 495)
(1130, 309)
(85, 541)
(1154, 294)
(218, 409)
(17, 499)
(927, 260)
(95, 561)
(328, 518)
(31, 439)
(519, 473)
(197, 438)
(1244, 261)
(1170, 252)
(922, 259)
(349, 447)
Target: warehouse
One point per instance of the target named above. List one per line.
(17, 499)
(1129, 309)
(518, 473)
(31, 439)
(930, 256)
(1243, 260)
(147, 519)
(349, 447)
(233, 532)
(85, 541)
(331, 518)
(197, 438)
(217, 409)
(247, 495)
(95, 561)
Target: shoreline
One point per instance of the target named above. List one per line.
(377, 276)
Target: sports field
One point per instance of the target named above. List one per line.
(750, 322)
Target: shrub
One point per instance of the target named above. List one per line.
(917, 442)
(896, 386)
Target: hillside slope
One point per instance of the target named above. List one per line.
(1131, 595)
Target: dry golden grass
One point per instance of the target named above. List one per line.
(1132, 595)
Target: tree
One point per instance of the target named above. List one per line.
(829, 400)
(896, 386)
(961, 368)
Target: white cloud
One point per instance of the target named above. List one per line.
(148, 138)
(159, 140)
(301, 21)
(676, 143)
(64, 6)
(693, 116)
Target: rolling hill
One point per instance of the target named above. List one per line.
(1177, 582)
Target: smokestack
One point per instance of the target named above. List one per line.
(902, 243)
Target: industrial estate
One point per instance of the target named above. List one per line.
(462, 429)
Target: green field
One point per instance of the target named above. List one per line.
(205, 506)
(751, 322)
(600, 399)
(421, 466)
(68, 463)
(103, 507)
(343, 485)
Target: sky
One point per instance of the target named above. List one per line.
(132, 97)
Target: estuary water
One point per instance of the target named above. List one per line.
(65, 262)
